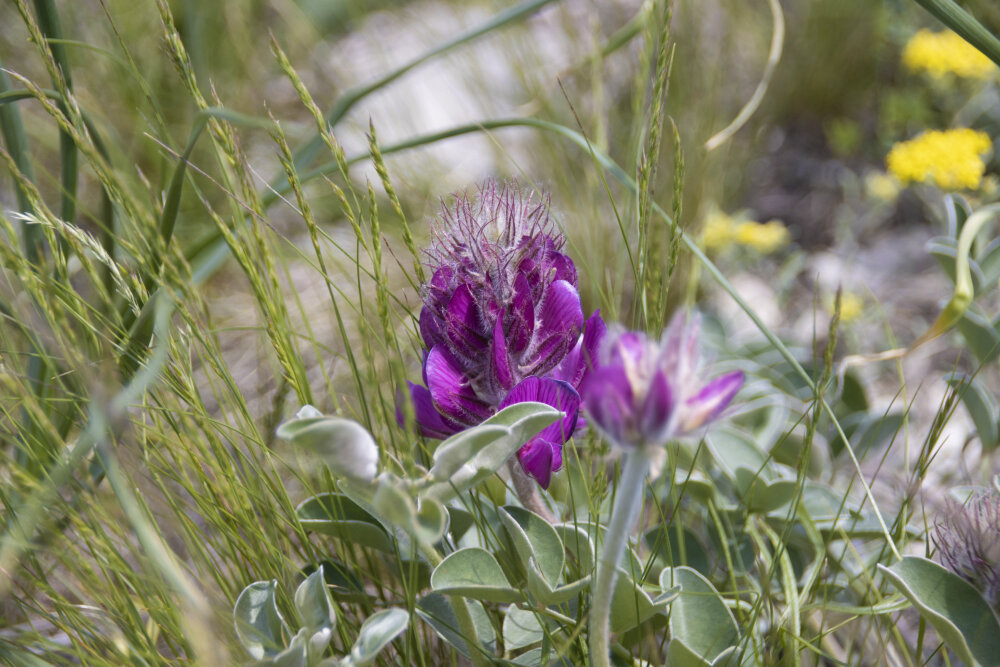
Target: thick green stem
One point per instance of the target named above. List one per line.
(631, 486)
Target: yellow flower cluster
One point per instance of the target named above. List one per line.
(952, 159)
(851, 307)
(722, 231)
(943, 53)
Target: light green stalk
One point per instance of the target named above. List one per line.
(628, 500)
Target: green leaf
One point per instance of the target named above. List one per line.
(957, 611)
(536, 542)
(296, 655)
(376, 632)
(980, 335)
(630, 604)
(662, 541)
(469, 457)
(735, 452)
(763, 498)
(459, 522)
(989, 262)
(579, 548)
(345, 446)
(437, 612)
(336, 514)
(945, 251)
(313, 602)
(473, 573)
(259, 625)
(699, 618)
(341, 578)
(521, 628)
(982, 407)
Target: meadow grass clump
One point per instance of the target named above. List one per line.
(305, 363)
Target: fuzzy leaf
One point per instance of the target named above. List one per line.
(957, 611)
(336, 514)
(699, 618)
(473, 573)
(436, 611)
(259, 625)
(376, 632)
(345, 446)
(313, 602)
(982, 407)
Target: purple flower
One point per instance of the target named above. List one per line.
(645, 393)
(968, 542)
(502, 322)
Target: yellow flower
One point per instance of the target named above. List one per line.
(851, 307)
(943, 53)
(882, 186)
(765, 237)
(717, 234)
(722, 231)
(952, 159)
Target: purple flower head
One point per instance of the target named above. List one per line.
(968, 542)
(502, 321)
(644, 393)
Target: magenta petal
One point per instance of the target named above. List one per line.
(656, 409)
(559, 326)
(431, 422)
(500, 359)
(430, 327)
(573, 368)
(453, 396)
(522, 316)
(536, 459)
(464, 323)
(564, 268)
(594, 331)
(607, 398)
(711, 400)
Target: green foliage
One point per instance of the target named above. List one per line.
(176, 283)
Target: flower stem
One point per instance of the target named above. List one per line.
(527, 491)
(631, 486)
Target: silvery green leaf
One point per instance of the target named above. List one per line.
(259, 625)
(700, 621)
(344, 445)
(313, 602)
(473, 573)
(952, 605)
(376, 632)
(435, 609)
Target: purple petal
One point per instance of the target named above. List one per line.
(500, 366)
(607, 398)
(564, 268)
(430, 327)
(464, 323)
(656, 409)
(547, 445)
(573, 368)
(453, 395)
(559, 326)
(522, 316)
(711, 400)
(431, 422)
(536, 458)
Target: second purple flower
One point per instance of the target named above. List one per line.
(502, 322)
